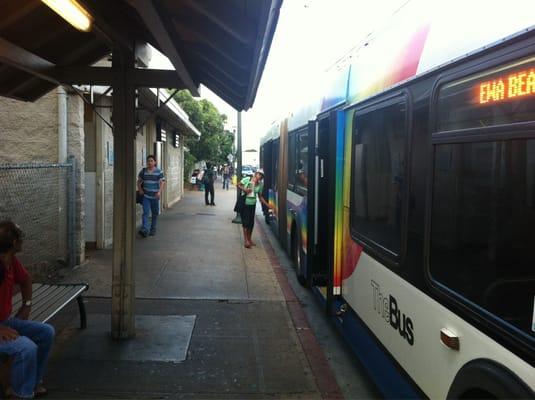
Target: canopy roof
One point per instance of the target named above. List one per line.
(221, 44)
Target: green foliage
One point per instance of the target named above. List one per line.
(189, 162)
(215, 142)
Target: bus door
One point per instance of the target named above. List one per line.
(321, 186)
(266, 162)
(282, 183)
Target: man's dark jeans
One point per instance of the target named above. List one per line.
(208, 189)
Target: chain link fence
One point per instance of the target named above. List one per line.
(40, 199)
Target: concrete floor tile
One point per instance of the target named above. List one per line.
(158, 338)
(243, 343)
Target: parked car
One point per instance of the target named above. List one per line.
(247, 170)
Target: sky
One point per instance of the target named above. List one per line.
(311, 35)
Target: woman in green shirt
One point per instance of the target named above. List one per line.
(252, 188)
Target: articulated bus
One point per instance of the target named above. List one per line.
(406, 197)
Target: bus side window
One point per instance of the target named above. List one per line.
(483, 195)
(275, 170)
(482, 226)
(378, 175)
(291, 160)
(301, 171)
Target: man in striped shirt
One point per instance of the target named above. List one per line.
(150, 183)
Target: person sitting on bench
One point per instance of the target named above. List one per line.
(27, 343)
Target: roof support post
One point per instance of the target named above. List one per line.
(123, 283)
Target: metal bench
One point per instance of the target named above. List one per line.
(48, 300)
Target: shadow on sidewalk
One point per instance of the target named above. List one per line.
(211, 320)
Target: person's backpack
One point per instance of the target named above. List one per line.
(208, 176)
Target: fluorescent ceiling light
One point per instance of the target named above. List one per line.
(72, 12)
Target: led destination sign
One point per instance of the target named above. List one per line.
(499, 96)
(509, 87)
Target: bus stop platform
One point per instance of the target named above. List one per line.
(214, 320)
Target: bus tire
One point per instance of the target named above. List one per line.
(486, 379)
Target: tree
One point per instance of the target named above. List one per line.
(215, 142)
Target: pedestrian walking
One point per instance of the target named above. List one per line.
(252, 188)
(226, 176)
(209, 179)
(150, 183)
(27, 343)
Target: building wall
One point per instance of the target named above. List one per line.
(145, 142)
(29, 131)
(105, 157)
(75, 147)
(29, 134)
(175, 176)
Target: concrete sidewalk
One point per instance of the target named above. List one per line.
(211, 320)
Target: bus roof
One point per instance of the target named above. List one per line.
(272, 133)
(422, 36)
(430, 34)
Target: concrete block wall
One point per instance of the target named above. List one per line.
(174, 173)
(29, 134)
(75, 147)
(29, 131)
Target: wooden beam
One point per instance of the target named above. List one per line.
(222, 14)
(241, 54)
(212, 58)
(13, 12)
(124, 205)
(235, 101)
(157, 78)
(155, 24)
(19, 86)
(20, 58)
(81, 52)
(229, 92)
(213, 54)
(102, 76)
(106, 28)
(239, 81)
(154, 78)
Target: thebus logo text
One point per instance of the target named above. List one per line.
(387, 307)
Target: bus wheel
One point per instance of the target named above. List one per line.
(298, 260)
